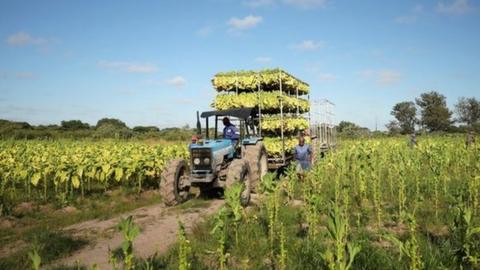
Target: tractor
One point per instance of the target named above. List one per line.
(217, 162)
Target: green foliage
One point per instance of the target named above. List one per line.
(105, 128)
(282, 257)
(177, 134)
(232, 200)
(112, 128)
(410, 248)
(35, 259)
(468, 110)
(74, 125)
(373, 185)
(351, 130)
(184, 248)
(393, 127)
(435, 115)
(129, 231)
(406, 115)
(143, 129)
(380, 190)
(268, 183)
(71, 168)
(341, 253)
(110, 122)
(46, 246)
(465, 238)
(219, 231)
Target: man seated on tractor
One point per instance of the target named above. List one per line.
(303, 155)
(230, 131)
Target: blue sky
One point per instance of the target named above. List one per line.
(151, 62)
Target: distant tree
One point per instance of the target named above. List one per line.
(51, 127)
(406, 115)
(14, 125)
(111, 123)
(351, 130)
(112, 128)
(143, 129)
(435, 115)
(393, 128)
(345, 125)
(468, 110)
(177, 134)
(74, 125)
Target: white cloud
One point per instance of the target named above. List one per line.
(383, 77)
(204, 31)
(455, 7)
(410, 17)
(22, 39)
(309, 45)
(258, 3)
(177, 81)
(302, 4)
(184, 101)
(406, 19)
(326, 77)
(366, 73)
(388, 77)
(263, 59)
(24, 75)
(141, 68)
(129, 67)
(306, 4)
(247, 22)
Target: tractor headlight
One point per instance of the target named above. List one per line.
(196, 161)
(206, 161)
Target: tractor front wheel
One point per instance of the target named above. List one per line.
(173, 183)
(239, 172)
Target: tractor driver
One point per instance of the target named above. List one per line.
(230, 131)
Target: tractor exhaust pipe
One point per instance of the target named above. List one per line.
(199, 126)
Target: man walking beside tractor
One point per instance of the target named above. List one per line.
(303, 155)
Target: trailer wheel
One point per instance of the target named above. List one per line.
(256, 155)
(239, 172)
(172, 186)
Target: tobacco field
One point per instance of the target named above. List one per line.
(374, 204)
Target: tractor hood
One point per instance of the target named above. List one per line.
(214, 145)
(220, 148)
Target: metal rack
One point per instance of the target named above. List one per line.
(284, 158)
(323, 126)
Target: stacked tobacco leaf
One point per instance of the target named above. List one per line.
(266, 90)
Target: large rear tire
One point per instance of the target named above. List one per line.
(256, 155)
(239, 172)
(172, 189)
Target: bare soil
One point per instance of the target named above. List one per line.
(158, 224)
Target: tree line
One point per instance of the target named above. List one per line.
(104, 128)
(430, 113)
(427, 113)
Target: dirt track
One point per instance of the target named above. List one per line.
(158, 232)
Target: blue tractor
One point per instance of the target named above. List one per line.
(216, 162)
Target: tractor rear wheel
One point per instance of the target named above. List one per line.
(239, 172)
(172, 183)
(256, 155)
